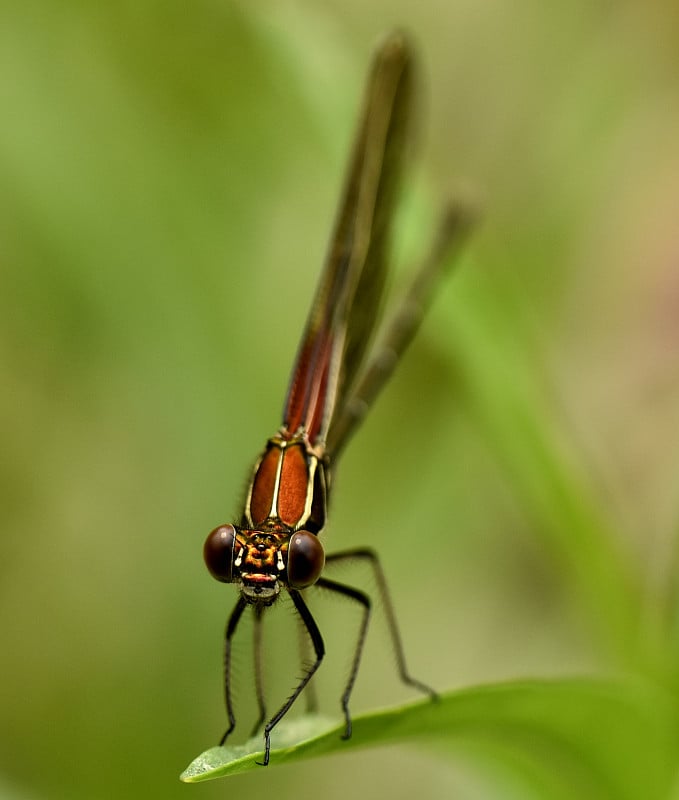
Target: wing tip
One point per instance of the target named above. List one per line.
(394, 47)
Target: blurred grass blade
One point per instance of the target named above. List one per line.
(521, 426)
(584, 738)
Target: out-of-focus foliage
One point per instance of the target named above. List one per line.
(168, 174)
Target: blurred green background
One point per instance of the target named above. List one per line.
(168, 175)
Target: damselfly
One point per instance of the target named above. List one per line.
(276, 546)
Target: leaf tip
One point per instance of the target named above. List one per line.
(201, 767)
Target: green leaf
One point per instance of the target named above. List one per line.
(572, 738)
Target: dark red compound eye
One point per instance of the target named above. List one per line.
(218, 552)
(305, 559)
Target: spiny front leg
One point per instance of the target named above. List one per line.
(231, 626)
(319, 649)
(259, 681)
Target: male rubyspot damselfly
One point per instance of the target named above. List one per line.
(276, 546)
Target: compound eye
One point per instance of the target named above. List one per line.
(305, 559)
(218, 552)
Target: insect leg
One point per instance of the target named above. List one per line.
(319, 649)
(366, 554)
(364, 600)
(259, 680)
(231, 626)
